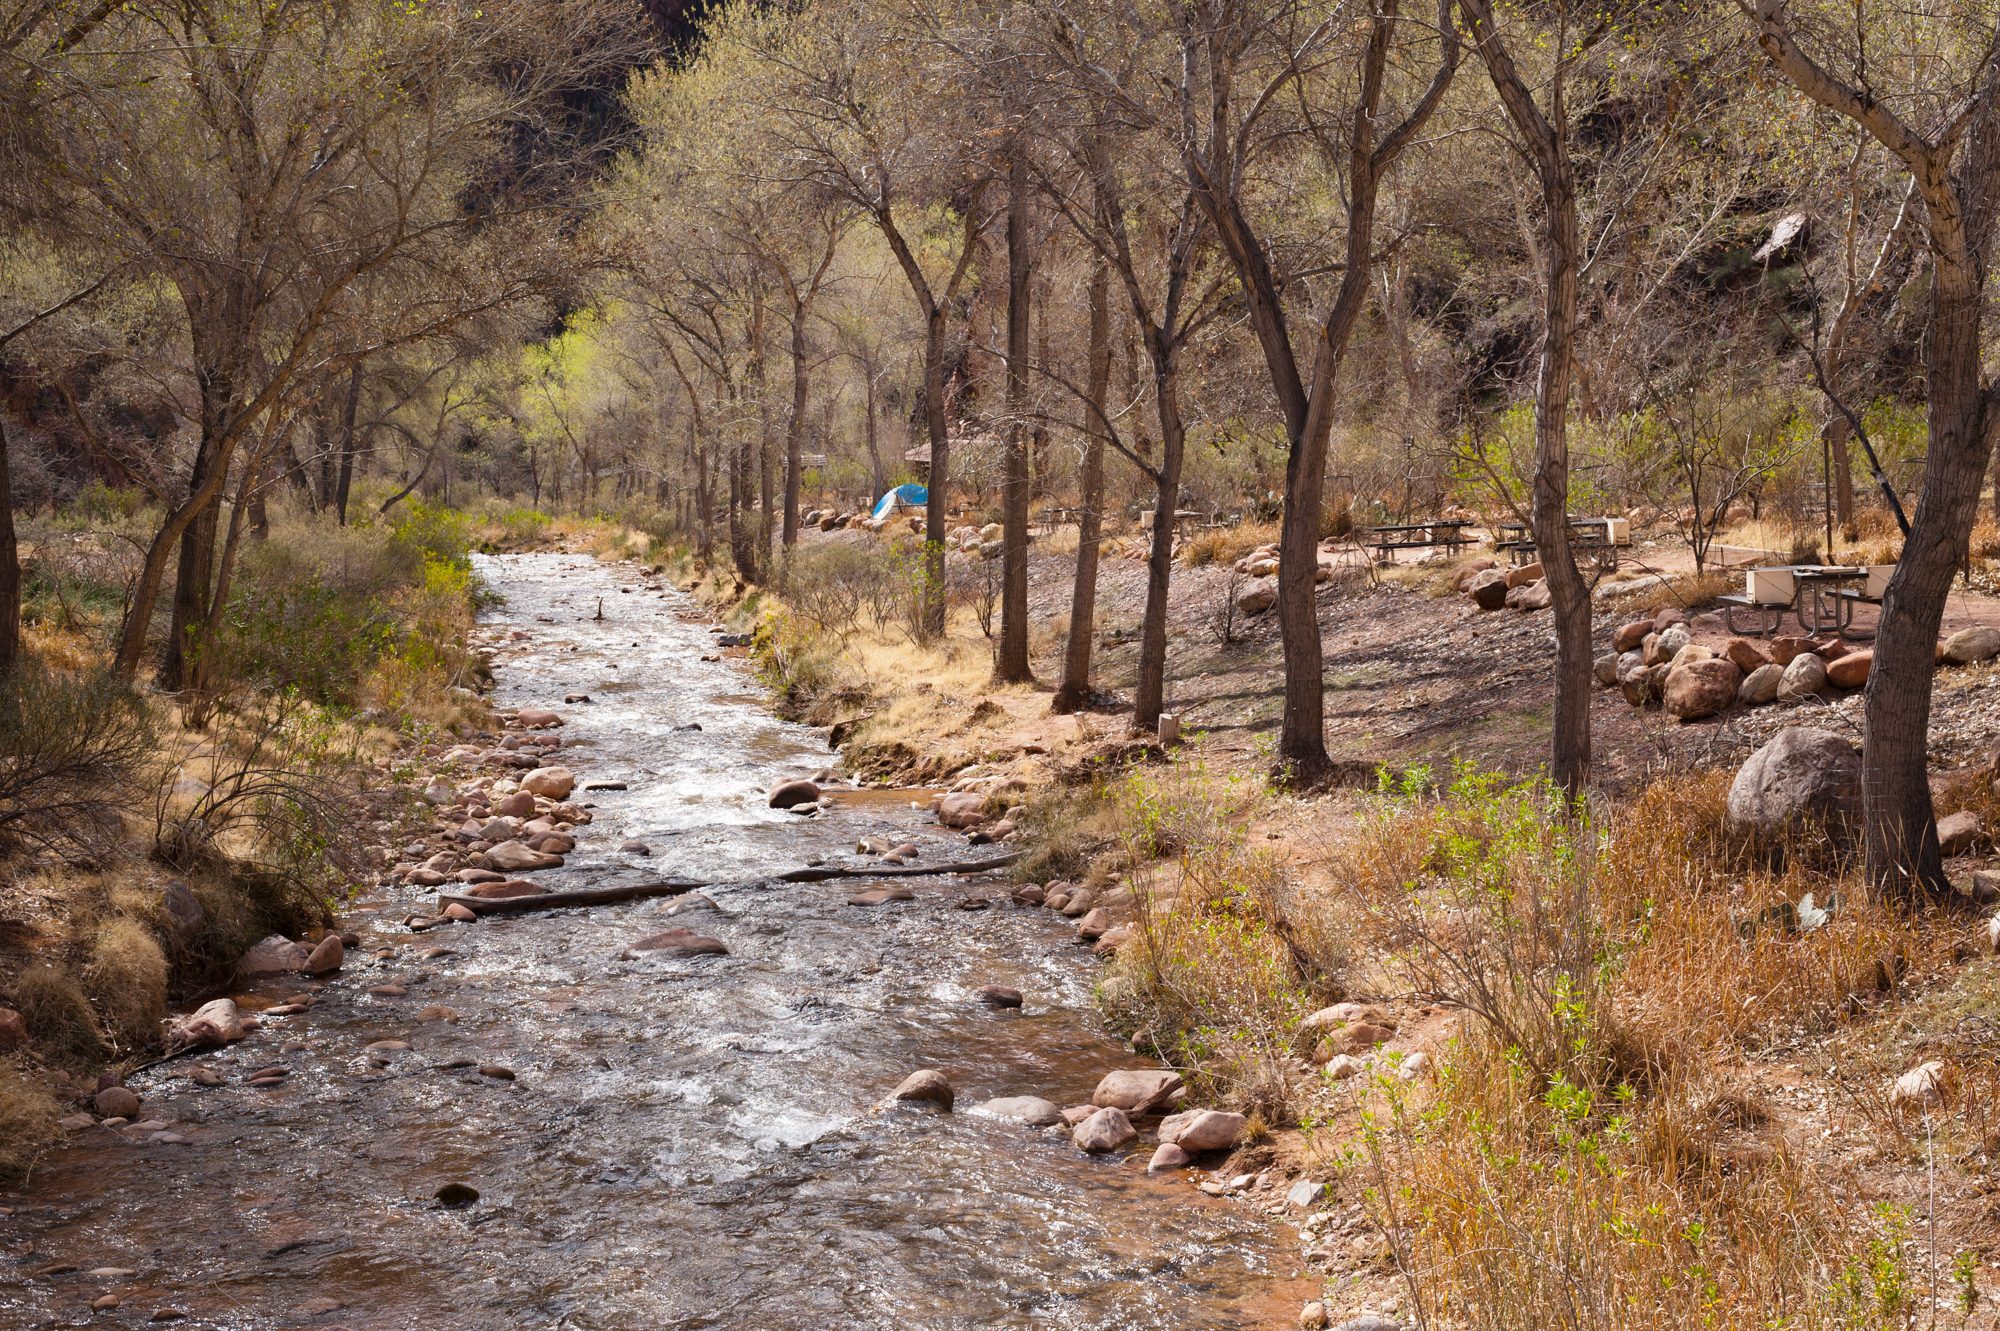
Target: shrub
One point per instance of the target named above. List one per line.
(72, 745)
(59, 1017)
(828, 585)
(127, 979)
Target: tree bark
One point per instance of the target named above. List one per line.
(350, 410)
(766, 460)
(1149, 696)
(1074, 694)
(10, 566)
(1546, 140)
(1011, 665)
(795, 427)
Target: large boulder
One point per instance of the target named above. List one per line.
(1663, 646)
(965, 809)
(1256, 600)
(216, 1022)
(1784, 649)
(1106, 1130)
(1200, 1130)
(1804, 677)
(1802, 776)
(1522, 576)
(1697, 689)
(1489, 590)
(1850, 671)
(514, 857)
(1462, 579)
(1971, 646)
(553, 783)
(1747, 655)
(326, 957)
(1136, 1090)
(1529, 596)
(788, 794)
(1630, 636)
(1960, 833)
(1030, 1109)
(1605, 668)
(926, 1086)
(275, 955)
(1760, 686)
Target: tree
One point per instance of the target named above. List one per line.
(1954, 165)
(1073, 694)
(1274, 51)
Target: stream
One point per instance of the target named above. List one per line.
(685, 1143)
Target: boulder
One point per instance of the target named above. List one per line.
(520, 804)
(789, 793)
(1605, 668)
(185, 917)
(13, 1030)
(1804, 677)
(1167, 1156)
(1960, 833)
(926, 1086)
(1200, 1130)
(326, 957)
(1784, 650)
(1760, 686)
(1106, 1130)
(1489, 590)
(504, 890)
(535, 718)
(1256, 600)
(274, 955)
(998, 995)
(1971, 646)
(1697, 689)
(1094, 925)
(1353, 1039)
(115, 1102)
(1850, 671)
(676, 943)
(1666, 644)
(1747, 655)
(216, 1022)
(1136, 1090)
(1643, 686)
(1801, 775)
(1667, 617)
(1922, 1085)
(1522, 576)
(1462, 579)
(1694, 651)
(552, 783)
(1533, 596)
(514, 857)
(1629, 636)
(963, 810)
(1030, 1109)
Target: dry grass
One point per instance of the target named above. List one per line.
(126, 978)
(1584, 1155)
(28, 1116)
(59, 1017)
(1226, 545)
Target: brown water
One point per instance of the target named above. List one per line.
(688, 1143)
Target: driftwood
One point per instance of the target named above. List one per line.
(674, 887)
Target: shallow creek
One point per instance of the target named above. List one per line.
(686, 1143)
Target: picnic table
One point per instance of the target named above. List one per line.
(1822, 597)
(1431, 533)
(1599, 538)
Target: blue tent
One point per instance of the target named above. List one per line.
(903, 496)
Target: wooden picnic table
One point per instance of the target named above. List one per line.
(1431, 533)
(1597, 537)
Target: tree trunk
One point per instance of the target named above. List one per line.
(1836, 434)
(349, 411)
(1150, 693)
(767, 463)
(1902, 844)
(1074, 695)
(795, 428)
(1011, 666)
(935, 516)
(197, 558)
(874, 433)
(10, 568)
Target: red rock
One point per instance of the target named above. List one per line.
(13, 1030)
(1745, 654)
(326, 956)
(1629, 636)
(1850, 671)
(677, 943)
(504, 890)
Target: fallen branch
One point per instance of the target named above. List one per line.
(604, 896)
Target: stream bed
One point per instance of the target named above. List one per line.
(684, 1143)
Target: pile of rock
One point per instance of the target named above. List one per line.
(1263, 563)
(968, 804)
(1490, 587)
(827, 519)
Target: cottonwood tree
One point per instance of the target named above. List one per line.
(265, 159)
(1074, 692)
(1941, 120)
(860, 112)
(1265, 82)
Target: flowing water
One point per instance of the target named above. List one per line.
(685, 1143)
